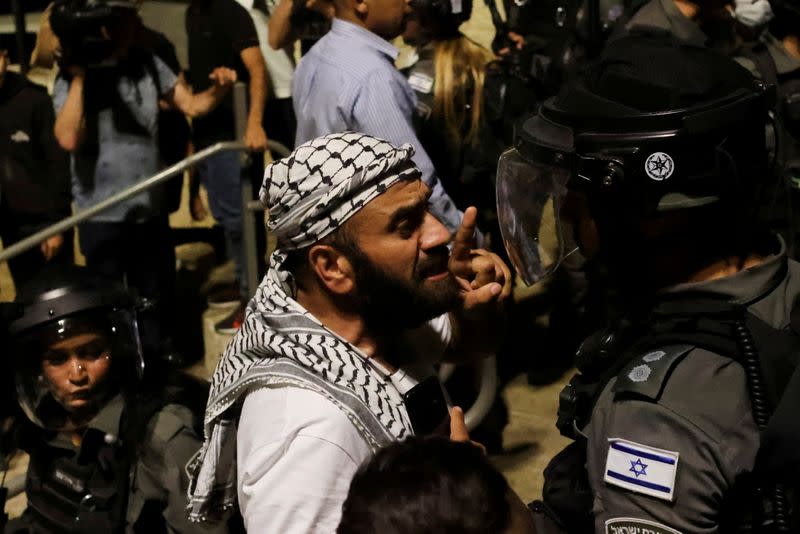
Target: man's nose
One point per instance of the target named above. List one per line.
(434, 234)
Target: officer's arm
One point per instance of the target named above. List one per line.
(170, 444)
(665, 457)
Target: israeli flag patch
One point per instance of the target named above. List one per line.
(641, 469)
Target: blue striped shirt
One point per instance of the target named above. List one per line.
(348, 81)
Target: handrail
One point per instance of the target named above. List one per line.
(145, 185)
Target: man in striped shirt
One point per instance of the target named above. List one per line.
(348, 81)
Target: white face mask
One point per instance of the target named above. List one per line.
(753, 13)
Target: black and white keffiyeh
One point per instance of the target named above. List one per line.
(325, 181)
(309, 194)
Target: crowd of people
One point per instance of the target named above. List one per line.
(640, 159)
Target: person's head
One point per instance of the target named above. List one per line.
(386, 18)
(431, 486)
(74, 347)
(435, 20)
(351, 214)
(656, 170)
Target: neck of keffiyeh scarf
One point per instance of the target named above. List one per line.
(281, 344)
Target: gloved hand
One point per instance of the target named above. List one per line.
(753, 13)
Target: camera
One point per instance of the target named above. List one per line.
(88, 30)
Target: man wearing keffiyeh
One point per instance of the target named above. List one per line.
(334, 358)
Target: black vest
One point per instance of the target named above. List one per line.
(84, 491)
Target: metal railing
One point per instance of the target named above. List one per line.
(250, 268)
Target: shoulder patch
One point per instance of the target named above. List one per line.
(420, 82)
(641, 469)
(630, 525)
(646, 375)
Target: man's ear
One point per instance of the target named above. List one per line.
(332, 269)
(361, 8)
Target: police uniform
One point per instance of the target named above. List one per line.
(668, 411)
(108, 444)
(673, 433)
(92, 486)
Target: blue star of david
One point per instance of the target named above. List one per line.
(638, 468)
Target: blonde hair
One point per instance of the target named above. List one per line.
(459, 66)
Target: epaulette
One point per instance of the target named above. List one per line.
(646, 375)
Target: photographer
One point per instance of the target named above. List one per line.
(106, 102)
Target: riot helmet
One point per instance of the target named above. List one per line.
(653, 126)
(74, 347)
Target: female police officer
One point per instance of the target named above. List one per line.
(107, 454)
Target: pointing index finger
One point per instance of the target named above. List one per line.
(464, 241)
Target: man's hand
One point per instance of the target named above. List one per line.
(482, 275)
(51, 246)
(458, 428)
(255, 137)
(223, 77)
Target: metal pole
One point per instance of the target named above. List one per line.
(19, 31)
(65, 224)
(250, 267)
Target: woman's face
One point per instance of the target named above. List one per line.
(76, 369)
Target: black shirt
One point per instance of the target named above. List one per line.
(218, 31)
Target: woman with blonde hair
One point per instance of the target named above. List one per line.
(448, 79)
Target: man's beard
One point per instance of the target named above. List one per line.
(387, 302)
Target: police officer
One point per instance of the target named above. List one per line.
(652, 160)
(775, 58)
(107, 454)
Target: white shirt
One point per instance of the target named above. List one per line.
(280, 64)
(297, 452)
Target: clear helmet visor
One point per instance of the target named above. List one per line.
(66, 370)
(529, 199)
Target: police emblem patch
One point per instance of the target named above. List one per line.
(659, 166)
(641, 469)
(629, 525)
(640, 373)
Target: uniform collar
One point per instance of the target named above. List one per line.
(744, 287)
(359, 36)
(107, 421)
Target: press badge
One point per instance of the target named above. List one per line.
(641, 469)
(420, 82)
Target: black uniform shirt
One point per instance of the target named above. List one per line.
(218, 31)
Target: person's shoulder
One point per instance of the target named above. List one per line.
(167, 423)
(287, 412)
(701, 387)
